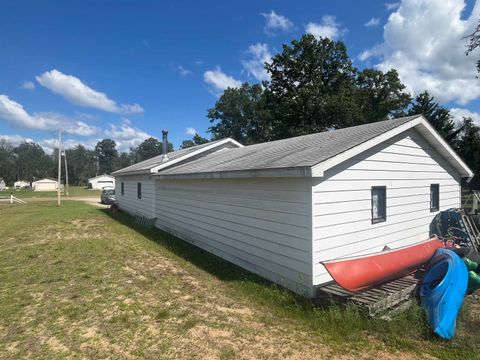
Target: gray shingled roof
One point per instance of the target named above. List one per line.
(298, 152)
(145, 166)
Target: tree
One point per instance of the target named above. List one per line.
(436, 115)
(196, 140)
(311, 86)
(81, 165)
(107, 155)
(124, 160)
(7, 162)
(469, 148)
(150, 148)
(32, 162)
(474, 43)
(379, 95)
(241, 114)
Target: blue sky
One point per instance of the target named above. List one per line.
(128, 69)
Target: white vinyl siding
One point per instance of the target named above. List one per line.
(129, 201)
(262, 225)
(341, 206)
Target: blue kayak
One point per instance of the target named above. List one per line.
(442, 291)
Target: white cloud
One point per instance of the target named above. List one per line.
(76, 92)
(425, 42)
(15, 139)
(14, 113)
(391, 6)
(372, 22)
(126, 136)
(328, 28)
(260, 54)
(459, 113)
(274, 22)
(28, 85)
(220, 81)
(190, 131)
(182, 71)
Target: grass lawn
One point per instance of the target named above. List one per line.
(78, 281)
(79, 191)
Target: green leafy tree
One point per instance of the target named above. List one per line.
(81, 165)
(311, 87)
(7, 162)
(196, 140)
(436, 115)
(150, 148)
(379, 96)
(124, 159)
(32, 162)
(469, 148)
(241, 114)
(107, 155)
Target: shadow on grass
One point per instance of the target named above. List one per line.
(216, 266)
(341, 326)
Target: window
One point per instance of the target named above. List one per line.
(434, 197)
(122, 188)
(379, 204)
(139, 190)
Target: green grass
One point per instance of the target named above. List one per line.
(78, 281)
(72, 191)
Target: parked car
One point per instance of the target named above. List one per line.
(108, 196)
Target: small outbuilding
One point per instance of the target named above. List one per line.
(46, 184)
(279, 209)
(20, 184)
(3, 186)
(101, 181)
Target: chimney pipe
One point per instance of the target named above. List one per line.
(164, 145)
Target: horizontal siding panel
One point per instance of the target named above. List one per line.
(351, 184)
(248, 224)
(129, 202)
(256, 224)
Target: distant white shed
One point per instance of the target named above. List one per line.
(46, 184)
(20, 184)
(280, 208)
(3, 187)
(101, 181)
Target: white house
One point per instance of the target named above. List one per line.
(101, 181)
(20, 184)
(280, 208)
(45, 185)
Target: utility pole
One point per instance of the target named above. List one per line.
(66, 172)
(59, 166)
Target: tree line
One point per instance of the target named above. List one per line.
(28, 161)
(313, 87)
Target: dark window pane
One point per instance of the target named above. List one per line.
(379, 204)
(434, 197)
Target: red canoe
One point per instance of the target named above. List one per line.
(361, 272)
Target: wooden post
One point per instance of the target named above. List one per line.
(11, 199)
(59, 201)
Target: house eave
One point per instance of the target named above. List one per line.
(295, 172)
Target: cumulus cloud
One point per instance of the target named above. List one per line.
(425, 42)
(77, 93)
(219, 81)
(275, 22)
(126, 136)
(190, 131)
(15, 139)
(260, 54)
(327, 28)
(14, 113)
(372, 22)
(391, 6)
(28, 85)
(459, 113)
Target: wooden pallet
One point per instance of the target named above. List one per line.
(379, 299)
